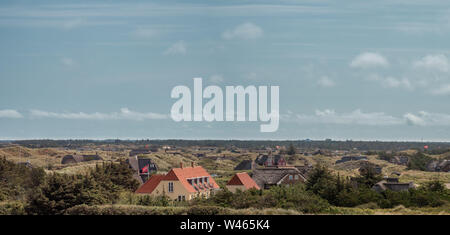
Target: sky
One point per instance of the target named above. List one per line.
(363, 70)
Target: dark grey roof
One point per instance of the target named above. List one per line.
(392, 184)
(263, 158)
(272, 175)
(244, 165)
(137, 164)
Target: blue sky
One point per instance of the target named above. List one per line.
(362, 70)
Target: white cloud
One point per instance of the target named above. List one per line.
(391, 82)
(369, 60)
(10, 113)
(427, 119)
(179, 48)
(326, 82)
(124, 114)
(67, 61)
(412, 119)
(216, 78)
(244, 31)
(433, 62)
(357, 117)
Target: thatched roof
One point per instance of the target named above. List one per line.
(392, 184)
(137, 164)
(273, 175)
(244, 165)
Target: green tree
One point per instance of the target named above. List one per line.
(291, 150)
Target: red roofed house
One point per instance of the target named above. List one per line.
(184, 183)
(241, 181)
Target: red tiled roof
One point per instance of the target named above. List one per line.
(243, 179)
(182, 175)
(151, 184)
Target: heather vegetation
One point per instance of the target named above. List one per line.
(108, 189)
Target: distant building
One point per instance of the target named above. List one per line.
(439, 166)
(135, 152)
(392, 184)
(366, 166)
(241, 181)
(184, 183)
(245, 165)
(142, 167)
(70, 159)
(271, 176)
(399, 160)
(270, 160)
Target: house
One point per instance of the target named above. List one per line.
(439, 166)
(267, 177)
(142, 167)
(75, 158)
(399, 160)
(351, 158)
(368, 166)
(392, 184)
(270, 160)
(135, 152)
(241, 181)
(184, 183)
(245, 165)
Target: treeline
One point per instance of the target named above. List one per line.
(437, 147)
(417, 161)
(31, 191)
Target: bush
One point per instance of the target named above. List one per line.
(419, 161)
(124, 210)
(12, 208)
(16, 181)
(285, 197)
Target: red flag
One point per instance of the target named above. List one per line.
(145, 169)
(425, 147)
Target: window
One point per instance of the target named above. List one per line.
(296, 177)
(170, 187)
(291, 177)
(179, 198)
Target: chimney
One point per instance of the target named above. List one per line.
(181, 164)
(192, 164)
